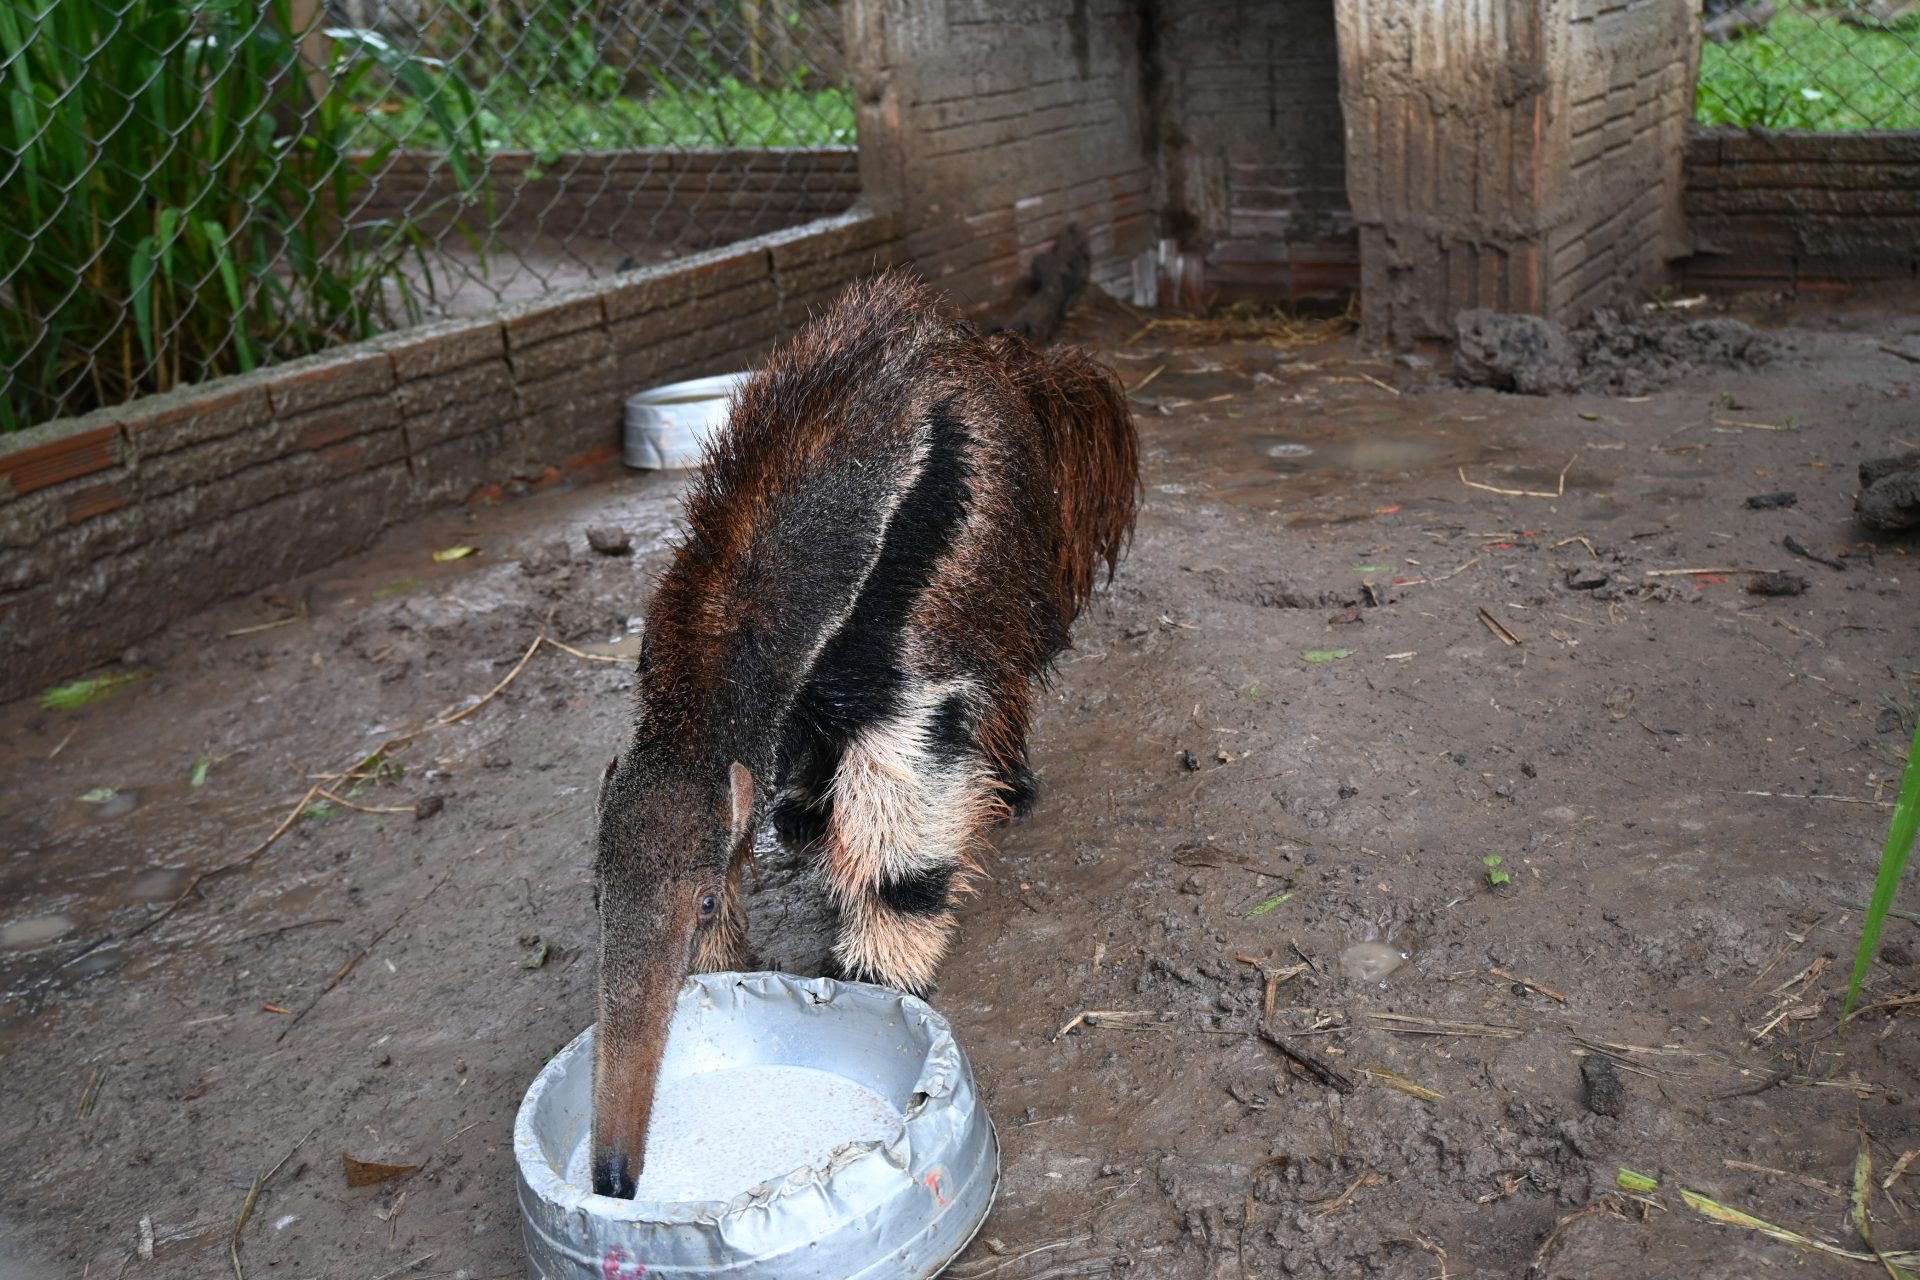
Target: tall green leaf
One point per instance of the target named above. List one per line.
(1893, 861)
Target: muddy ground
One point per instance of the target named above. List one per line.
(1684, 785)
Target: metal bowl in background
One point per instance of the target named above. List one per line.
(804, 1129)
(667, 427)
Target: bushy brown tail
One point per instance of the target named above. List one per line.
(1095, 457)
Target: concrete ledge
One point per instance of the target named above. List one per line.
(1776, 210)
(692, 198)
(114, 524)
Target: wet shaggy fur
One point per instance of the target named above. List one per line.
(885, 550)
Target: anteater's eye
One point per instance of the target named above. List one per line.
(709, 904)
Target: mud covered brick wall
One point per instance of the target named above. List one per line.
(1795, 210)
(1616, 220)
(115, 524)
(989, 125)
(1245, 100)
(1517, 154)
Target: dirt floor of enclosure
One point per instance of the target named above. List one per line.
(1380, 642)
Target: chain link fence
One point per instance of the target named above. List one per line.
(1841, 67)
(202, 188)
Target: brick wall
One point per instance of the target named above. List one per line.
(988, 125)
(1516, 154)
(693, 199)
(1796, 210)
(1624, 99)
(115, 524)
(1251, 144)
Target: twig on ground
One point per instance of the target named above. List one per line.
(1800, 1178)
(347, 968)
(590, 657)
(1688, 573)
(1274, 977)
(1559, 491)
(90, 1095)
(1409, 1024)
(258, 627)
(253, 1196)
(404, 1267)
(1529, 984)
(1499, 629)
(1326, 1208)
(1605, 1204)
(1315, 1068)
(1140, 386)
(345, 803)
(1428, 1247)
(1587, 543)
(1126, 1018)
(1791, 795)
(244, 860)
(320, 787)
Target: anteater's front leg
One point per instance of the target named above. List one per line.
(908, 805)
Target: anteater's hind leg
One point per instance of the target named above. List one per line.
(1002, 736)
(909, 800)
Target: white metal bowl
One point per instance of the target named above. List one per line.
(667, 427)
(850, 1144)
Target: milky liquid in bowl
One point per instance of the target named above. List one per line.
(718, 1133)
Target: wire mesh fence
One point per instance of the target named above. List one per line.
(201, 188)
(1839, 67)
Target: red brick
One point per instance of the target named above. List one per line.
(66, 458)
(95, 500)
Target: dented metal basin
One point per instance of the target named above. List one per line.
(803, 1129)
(667, 427)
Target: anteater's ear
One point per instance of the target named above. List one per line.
(740, 804)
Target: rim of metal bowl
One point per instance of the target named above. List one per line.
(716, 386)
(936, 1085)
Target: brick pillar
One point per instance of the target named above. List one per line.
(1518, 154)
(988, 126)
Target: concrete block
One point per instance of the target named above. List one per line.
(573, 350)
(315, 382)
(429, 351)
(193, 415)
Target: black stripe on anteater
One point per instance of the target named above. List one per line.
(950, 731)
(918, 893)
(858, 678)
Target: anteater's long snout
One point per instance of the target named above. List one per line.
(629, 1041)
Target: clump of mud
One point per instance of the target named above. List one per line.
(1609, 354)
(1889, 494)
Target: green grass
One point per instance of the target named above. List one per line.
(556, 120)
(1893, 862)
(1808, 70)
(172, 196)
